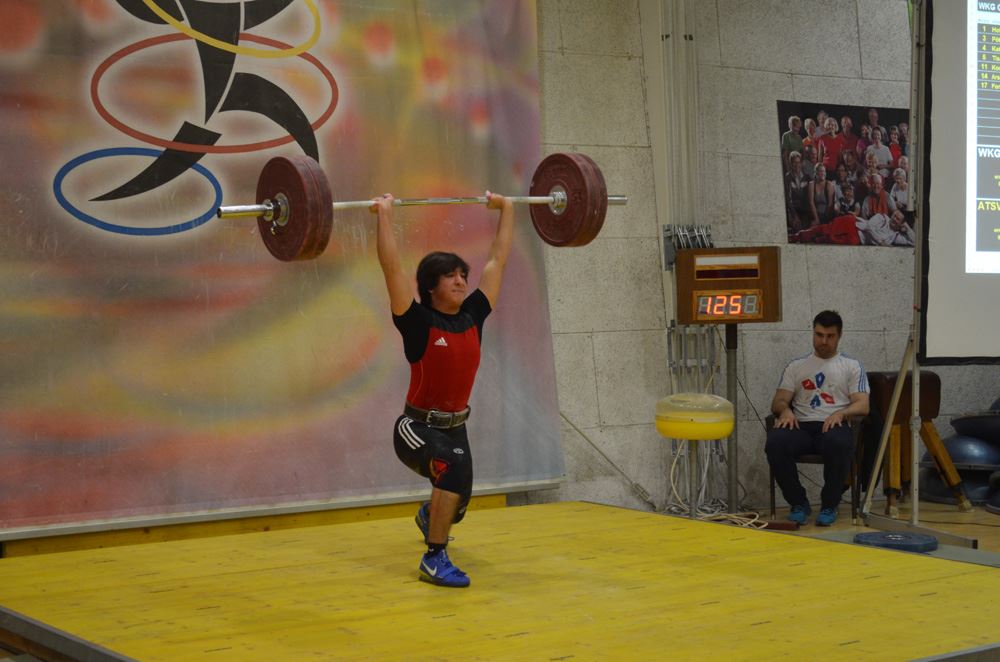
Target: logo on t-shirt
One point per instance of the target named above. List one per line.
(815, 384)
(441, 342)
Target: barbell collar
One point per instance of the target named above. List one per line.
(266, 209)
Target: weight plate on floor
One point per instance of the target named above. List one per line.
(303, 184)
(586, 199)
(907, 542)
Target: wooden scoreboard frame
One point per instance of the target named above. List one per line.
(728, 285)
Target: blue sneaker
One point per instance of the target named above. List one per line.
(439, 570)
(423, 518)
(799, 514)
(826, 517)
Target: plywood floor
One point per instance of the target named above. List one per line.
(555, 581)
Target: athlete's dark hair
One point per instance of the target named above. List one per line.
(829, 318)
(432, 267)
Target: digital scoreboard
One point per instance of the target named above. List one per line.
(728, 285)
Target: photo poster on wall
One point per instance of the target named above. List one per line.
(157, 360)
(845, 174)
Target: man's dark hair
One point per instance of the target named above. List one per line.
(432, 267)
(829, 318)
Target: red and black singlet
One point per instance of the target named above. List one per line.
(443, 351)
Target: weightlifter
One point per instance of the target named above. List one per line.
(442, 335)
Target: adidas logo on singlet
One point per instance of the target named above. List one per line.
(441, 342)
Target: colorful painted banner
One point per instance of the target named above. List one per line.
(156, 360)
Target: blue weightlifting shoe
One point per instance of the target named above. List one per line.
(438, 569)
(799, 514)
(826, 517)
(423, 518)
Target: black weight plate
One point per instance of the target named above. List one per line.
(310, 207)
(586, 199)
(904, 541)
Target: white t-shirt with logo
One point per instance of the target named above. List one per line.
(822, 386)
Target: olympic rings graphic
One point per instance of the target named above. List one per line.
(124, 229)
(288, 51)
(191, 147)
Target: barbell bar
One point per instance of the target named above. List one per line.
(268, 208)
(295, 207)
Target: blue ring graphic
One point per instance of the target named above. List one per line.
(124, 229)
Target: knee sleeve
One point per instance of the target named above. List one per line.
(450, 469)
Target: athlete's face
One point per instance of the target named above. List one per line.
(450, 291)
(825, 341)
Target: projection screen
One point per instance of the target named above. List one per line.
(961, 253)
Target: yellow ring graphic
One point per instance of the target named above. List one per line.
(242, 50)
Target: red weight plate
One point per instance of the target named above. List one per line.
(310, 207)
(598, 199)
(321, 213)
(586, 199)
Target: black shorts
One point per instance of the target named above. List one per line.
(440, 455)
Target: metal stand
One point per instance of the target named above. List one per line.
(910, 363)
(889, 523)
(731, 378)
(692, 462)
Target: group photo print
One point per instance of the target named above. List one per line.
(846, 174)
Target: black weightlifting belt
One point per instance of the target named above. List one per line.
(435, 418)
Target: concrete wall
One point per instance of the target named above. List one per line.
(608, 307)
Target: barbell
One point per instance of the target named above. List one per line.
(294, 208)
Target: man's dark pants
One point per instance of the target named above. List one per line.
(835, 445)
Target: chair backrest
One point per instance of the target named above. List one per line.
(882, 384)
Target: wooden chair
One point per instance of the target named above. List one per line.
(815, 458)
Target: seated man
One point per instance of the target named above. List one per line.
(817, 394)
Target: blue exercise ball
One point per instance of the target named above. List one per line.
(975, 484)
(984, 426)
(993, 503)
(968, 452)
